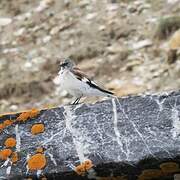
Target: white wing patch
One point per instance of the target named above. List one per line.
(88, 81)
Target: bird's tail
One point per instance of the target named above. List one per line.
(112, 95)
(108, 93)
(103, 91)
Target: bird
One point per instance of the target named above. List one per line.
(77, 83)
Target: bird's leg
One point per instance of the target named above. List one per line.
(76, 101)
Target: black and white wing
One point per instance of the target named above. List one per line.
(84, 78)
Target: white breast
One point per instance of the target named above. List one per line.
(75, 87)
(71, 84)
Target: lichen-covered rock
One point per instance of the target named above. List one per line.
(125, 138)
(174, 45)
(174, 42)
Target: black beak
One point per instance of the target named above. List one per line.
(63, 64)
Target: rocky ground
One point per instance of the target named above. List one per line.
(122, 44)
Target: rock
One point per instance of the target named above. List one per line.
(131, 9)
(112, 7)
(46, 39)
(131, 64)
(54, 30)
(166, 26)
(174, 45)
(115, 48)
(132, 138)
(61, 27)
(5, 21)
(43, 4)
(10, 50)
(38, 60)
(102, 28)
(19, 32)
(171, 56)
(174, 42)
(121, 88)
(176, 176)
(91, 16)
(14, 107)
(172, 1)
(142, 44)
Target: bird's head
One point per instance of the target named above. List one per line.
(67, 64)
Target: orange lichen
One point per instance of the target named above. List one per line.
(29, 114)
(43, 178)
(80, 169)
(7, 122)
(83, 167)
(39, 150)
(10, 142)
(169, 167)
(33, 113)
(23, 116)
(14, 157)
(1, 126)
(88, 164)
(37, 128)
(150, 174)
(5, 153)
(37, 162)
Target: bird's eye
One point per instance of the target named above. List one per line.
(64, 64)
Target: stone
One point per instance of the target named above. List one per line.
(91, 16)
(5, 21)
(112, 7)
(121, 138)
(166, 26)
(121, 88)
(142, 44)
(174, 45)
(172, 1)
(46, 39)
(54, 30)
(174, 42)
(19, 32)
(43, 4)
(176, 176)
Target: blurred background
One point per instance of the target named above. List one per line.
(129, 46)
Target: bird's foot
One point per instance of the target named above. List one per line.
(76, 101)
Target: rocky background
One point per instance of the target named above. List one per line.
(126, 45)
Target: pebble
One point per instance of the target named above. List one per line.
(13, 108)
(10, 50)
(112, 7)
(46, 39)
(42, 5)
(54, 30)
(172, 1)
(142, 44)
(101, 28)
(90, 16)
(174, 42)
(38, 60)
(5, 21)
(19, 32)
